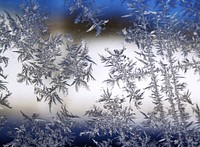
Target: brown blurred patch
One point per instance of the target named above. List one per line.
(67, 25)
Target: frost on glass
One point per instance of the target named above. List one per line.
(164, 68)
(35, 131)
(44, 64)
(115, 123)
(167, 50)
(4, 91)
(88, 12)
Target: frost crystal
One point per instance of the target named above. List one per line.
(35, 131)
(4, 45)
(88, 12)
(39, 51)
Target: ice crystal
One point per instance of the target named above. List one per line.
(88, 12)
(123, 69)
(35, 131)
(167, 44)
(4, 45)
(39, 52)
(114, 119)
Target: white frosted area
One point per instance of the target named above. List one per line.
(23, 97)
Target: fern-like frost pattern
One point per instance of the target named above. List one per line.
(167, 49)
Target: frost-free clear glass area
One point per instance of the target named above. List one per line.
(99, 73)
